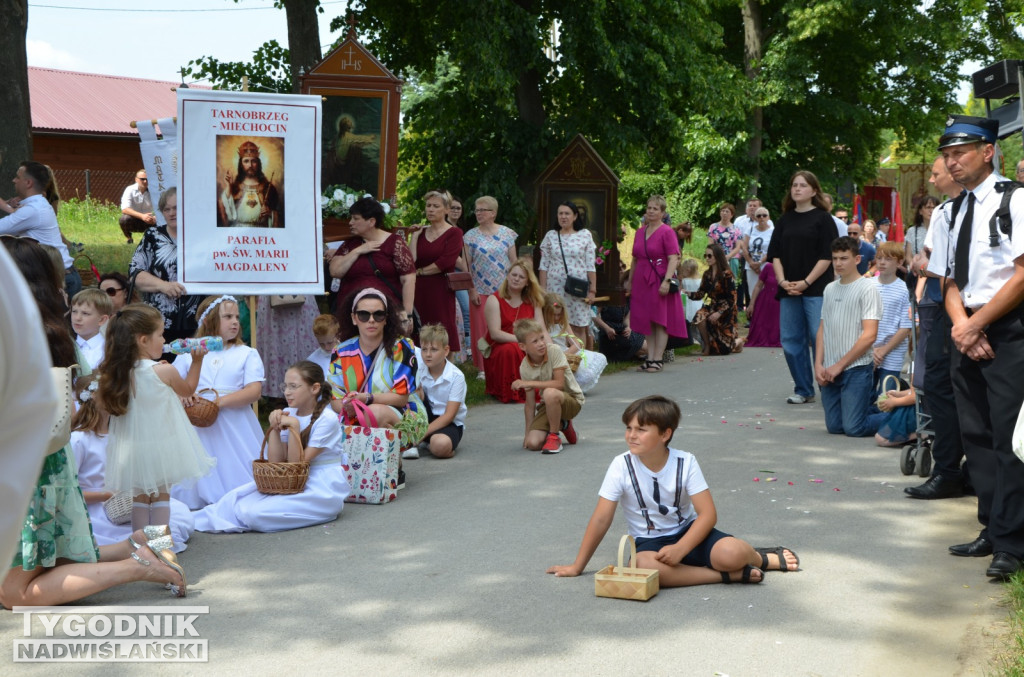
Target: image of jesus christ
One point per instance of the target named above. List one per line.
(250, 200)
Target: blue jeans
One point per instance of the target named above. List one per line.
(799, 317)
(846, 401)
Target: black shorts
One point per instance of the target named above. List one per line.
(698, 557)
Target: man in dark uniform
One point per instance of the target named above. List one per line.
(982, 262)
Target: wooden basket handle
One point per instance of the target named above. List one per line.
(266, 438)
(207, 390)
(626, 538)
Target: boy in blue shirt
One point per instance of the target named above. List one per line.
(669, 510)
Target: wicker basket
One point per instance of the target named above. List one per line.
(87, 270)
(574, 361)
(274, 477)
(622, 582)
(118, 508)
(203, 412)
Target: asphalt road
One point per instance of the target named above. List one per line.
(450, 578)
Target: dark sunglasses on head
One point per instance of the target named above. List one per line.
(112, 291)
(365, 315)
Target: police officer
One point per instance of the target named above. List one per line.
(981, 259)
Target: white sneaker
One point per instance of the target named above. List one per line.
(480, 376)
(799, 399)
(411, 452)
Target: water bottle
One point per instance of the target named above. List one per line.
(188, 345)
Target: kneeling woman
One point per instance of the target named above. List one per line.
(306, 428)
(716, 321)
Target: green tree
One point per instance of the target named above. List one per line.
(16, 130)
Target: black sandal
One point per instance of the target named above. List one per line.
(777, 550)
(747, 570)
(651, 366)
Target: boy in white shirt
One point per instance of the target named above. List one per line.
(90, 310)
(325, 330)
(442, 388)
(680, 541)
(850, 310)
(894, 328)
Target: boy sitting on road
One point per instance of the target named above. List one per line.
(850, 310)
(553, 398)
(669, 510)
(442, 388)
(895, 325)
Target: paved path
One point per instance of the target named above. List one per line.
(450, 578)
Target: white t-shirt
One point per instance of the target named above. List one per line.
(758, 243)
(895, 316)
(450, 386)
(843, 308)
(618, 487)
(322, 359)
(326, 434)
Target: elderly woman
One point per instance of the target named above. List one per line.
(435, 249)
(519, 297)
(801, 255)
(374, 258)
(155, 269)
(385, 382)
(568, 249)
(716, 321)
(490, 252)
(655, 310)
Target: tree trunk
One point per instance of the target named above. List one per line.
(303, 37)
(753, 50)
(16, 130)
(531, 111)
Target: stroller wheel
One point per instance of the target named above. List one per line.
(908, 461)
(924, 460)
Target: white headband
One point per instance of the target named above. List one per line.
(213, 305)
(369, 291)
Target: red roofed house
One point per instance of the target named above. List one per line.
(81, 127)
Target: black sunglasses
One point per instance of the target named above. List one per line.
(112, 291)
(365, 315)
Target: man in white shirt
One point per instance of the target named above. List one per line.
(840, 224)
(35, 218)
(136, 207)
(981, 259)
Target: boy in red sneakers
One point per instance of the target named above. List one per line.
(553, 398)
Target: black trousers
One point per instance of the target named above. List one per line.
(939, 402)
(989, 395)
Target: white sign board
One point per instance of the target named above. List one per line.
(248, 193)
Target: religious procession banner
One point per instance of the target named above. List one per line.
(248, 193)
(159, 158)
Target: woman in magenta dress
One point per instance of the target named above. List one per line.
(435, 249)
(655, 311)
(519, 297)
(764, 320)
(374, 258)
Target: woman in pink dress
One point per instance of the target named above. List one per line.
(435, 249)
(764, 319)
(655, 311)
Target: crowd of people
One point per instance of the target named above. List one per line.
(387, 349)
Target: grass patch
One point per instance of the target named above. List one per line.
(95, 225)
(1010, 661)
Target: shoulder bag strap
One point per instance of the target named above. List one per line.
(639, 496)
(564, 264)
(380, 276)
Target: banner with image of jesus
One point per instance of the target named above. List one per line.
(248, 198)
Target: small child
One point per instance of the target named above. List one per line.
(152, 444)
(89, 444)
(592, 364)
(90, 310)
(850, 311)
(326, 330)
(442, 388)
(894, 328)
(689, 282)
(553, 398)
(236, 375)
(669, 510)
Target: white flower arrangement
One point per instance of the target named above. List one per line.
(336, 200)
(86, 394)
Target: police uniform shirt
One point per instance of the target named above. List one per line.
(990, 267)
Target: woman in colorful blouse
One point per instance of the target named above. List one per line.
(727, 236)
(375, 365)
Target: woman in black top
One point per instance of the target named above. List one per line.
(800, 252)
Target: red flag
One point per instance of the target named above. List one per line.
(858, 215)
(896, 229)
